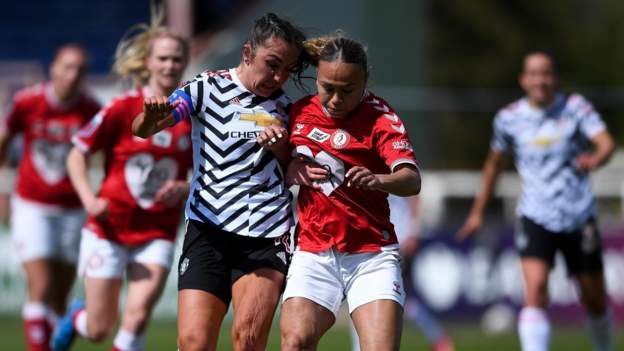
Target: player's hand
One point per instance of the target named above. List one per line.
(273, 138)
(98, 208)
(306, 172)
(171, 193)
(472, 224)
(362, 178)
(586, 163)
(157, 108)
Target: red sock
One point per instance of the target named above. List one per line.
(115, 348)
(38, 332)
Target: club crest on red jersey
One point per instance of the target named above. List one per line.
(339, 139)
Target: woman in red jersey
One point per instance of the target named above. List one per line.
(346, 247)
(132, 221)
(46, 216)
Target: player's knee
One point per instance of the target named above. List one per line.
(245, 336)
(293, 340)
(99, 329)
(137, 318)
(99, 332)
(537, 296)
(193, 340)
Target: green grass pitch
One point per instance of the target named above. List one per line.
(162, 336)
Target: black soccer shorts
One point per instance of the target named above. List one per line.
(212, 259)
(581, 248)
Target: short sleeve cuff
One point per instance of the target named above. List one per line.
(401, 161)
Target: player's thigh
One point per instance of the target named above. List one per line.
(254, 298)
(148, 267)
(39, 279)
(378, 324)
(102, 301)
(145, 283)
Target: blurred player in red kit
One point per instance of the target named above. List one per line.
(132, 221)
(46, 215)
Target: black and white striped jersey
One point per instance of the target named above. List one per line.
(237, 185)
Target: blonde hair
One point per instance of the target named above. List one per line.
(135, 46)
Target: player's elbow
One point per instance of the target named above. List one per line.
(415, 187)
(412, 184)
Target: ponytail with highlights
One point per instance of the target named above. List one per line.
(336, 47)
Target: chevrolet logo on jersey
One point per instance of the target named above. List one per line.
(544, 141)
(261, 119)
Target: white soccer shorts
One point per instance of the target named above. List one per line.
(105, 259)
(328, 277)
(42, 231)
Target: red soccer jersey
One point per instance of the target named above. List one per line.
(47, 127)
(135, 169)
(374, 137)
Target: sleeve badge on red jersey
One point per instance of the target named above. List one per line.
(340, 138)
(318, 135)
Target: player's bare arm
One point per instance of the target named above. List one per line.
(302, 171)
(491, 170)
(603, 150)
(172, 193)
(404, 181)
(5, 141)
(155, 117)
(77, 170)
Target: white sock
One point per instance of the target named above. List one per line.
(34, 310)
(534, 329)
(127, 341)
(80, 323)
(601, 331)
